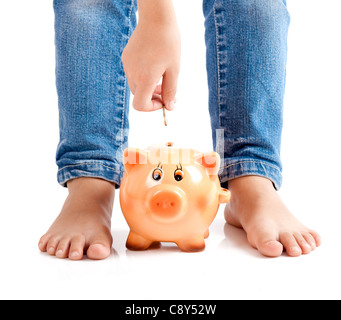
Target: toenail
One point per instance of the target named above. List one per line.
(312, 245)
(295, 250)
(51, 250)
(270, 243)
(74, 254)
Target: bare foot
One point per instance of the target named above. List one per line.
(257, 208)
(84, 223)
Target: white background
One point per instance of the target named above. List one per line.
(30, 197)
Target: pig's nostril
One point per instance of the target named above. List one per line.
(165, 204)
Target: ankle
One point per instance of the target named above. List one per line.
(92, 188)
(248, 193)
(251, 184)
(84, 183)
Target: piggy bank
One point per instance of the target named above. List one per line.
(170, 194)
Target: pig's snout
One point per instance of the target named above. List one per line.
(167, 204)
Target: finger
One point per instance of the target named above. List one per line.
(158, 89)
(169, 88)
(152, 105)
(143, 99)
(157, 104)
(157, 97)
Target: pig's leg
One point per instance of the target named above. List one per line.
(207, 234)
(136, 242)
(193, 244)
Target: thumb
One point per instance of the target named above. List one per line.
(169, 88)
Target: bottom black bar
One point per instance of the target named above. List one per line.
(161, 309)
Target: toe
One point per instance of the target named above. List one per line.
(290, 244)
(266, 243)
(316, 237)
(100, 247)
(52, 245)
(310, 240)
(98, 251)
(43, 242)
(76, 251)
(62, 250)
(301, 241)
(271, 248)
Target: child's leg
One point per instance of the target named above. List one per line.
(246, 63)
(93, 107)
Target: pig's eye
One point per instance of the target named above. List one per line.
(178, 175)
(157, 174)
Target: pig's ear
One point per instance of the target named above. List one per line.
(133, 157)
(211, 161)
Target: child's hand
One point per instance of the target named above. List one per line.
(152, 53)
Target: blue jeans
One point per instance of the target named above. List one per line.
(246, 44)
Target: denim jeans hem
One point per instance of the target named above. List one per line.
(251, 167)
(93, 169)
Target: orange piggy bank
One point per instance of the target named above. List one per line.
(170, 195)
